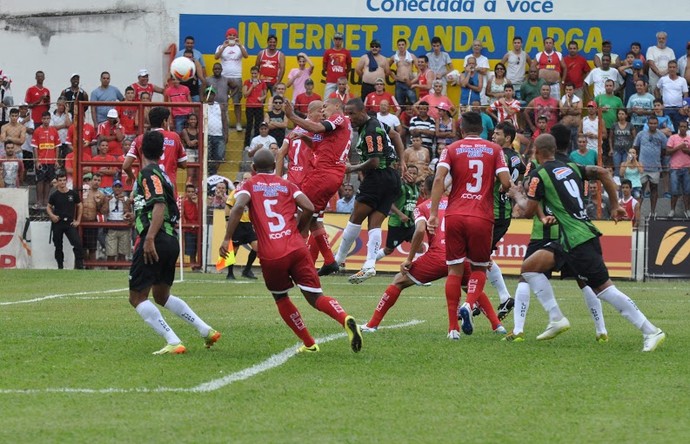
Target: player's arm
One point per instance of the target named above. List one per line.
(281, 156)
(49, 209)
(529, 204)
(399, 148)
(77, 219)
(127, 168)
(307, 208)
(415, 244)
(241, 201)
(314, 127)
(436, 193)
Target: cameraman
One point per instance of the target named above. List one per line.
(61, 211)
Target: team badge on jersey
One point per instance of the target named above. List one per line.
(562, 172)
(533, 184)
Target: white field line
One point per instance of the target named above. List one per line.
(272, 362)
(63, 295)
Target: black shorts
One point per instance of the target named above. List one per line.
(90, 238)
(587, 261)
(558, 253)
(500, 229)
(398, 235)
(379, 189)
(45, 173)
(143, 276)
(244, 234)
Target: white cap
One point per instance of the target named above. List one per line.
(112, 114)
(74, 74)
(143, 72)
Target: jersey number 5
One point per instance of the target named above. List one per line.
(279, 223)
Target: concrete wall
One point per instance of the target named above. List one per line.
(69, 36)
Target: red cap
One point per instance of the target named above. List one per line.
(592, 103)
(231, 31)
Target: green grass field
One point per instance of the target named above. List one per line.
(77, 367)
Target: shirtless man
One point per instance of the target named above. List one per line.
(14, 131)
(404, 62)
(418, 156)
(571, 113)
(551, 67)
(369, 71)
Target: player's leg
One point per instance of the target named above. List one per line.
(388, 299)
(247, 272)
(589, 263)
(595, 310)
(293, 319)
(352, 230)
(456, 254)
(479, 244)
(494, 275)
(533, 269)
(368, 270)
(485, 306)
(320, 237)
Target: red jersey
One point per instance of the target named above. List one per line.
(46, 141)
(300, 157)
(302, 101)
(343, 97)
(88, 133)
(106, 180)
(336, 62)
(128, 116)
(179, 94)
(173, 153)
(138, 89)
(333, 146)
(423, 212)
(252, 100)
(106, 129)
(577, 70)
(546, 107)
(549, 61)
(190, 214)
(272, 211)
(629, 207)
(422, 80)
(373, 102)
(34, 94)
(473, 163)
(269, 67)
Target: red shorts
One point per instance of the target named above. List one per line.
(431, 266)
(297, 267)
(319, 188)
(468, 237)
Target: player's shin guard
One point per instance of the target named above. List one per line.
(488, 310)
(350, 233)
(184, 312)
(496, 280)
(540, 285)
(594, 306)
(331, 307)
(390, 296)
(321, 238)
(152, 316)
(313, 248)
(627, 308)
(475, 286)
(521, 307)
(453, 294)
(293, 319)
(373, 245)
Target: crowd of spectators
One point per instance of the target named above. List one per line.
(641, 99)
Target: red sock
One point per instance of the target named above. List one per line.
(331, 307)
(475, 286)
(313, 248)
(488, 310)
(390, 296)
(453, 294)
(324, 246)
(293, 319)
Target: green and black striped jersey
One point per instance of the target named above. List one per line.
(503, 206)
(154, 186)
(374, 142)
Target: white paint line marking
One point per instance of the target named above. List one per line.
(63, 295)
(272, 362)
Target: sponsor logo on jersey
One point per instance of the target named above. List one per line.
(533, 184)
(562, 172)
(515, 161)
(474, 151)
(269, 189)
(471, 196)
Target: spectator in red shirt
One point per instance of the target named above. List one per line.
(303, 100)
(373, 100)
(88, 134)
(38, 99)
(254, 91)
(337, 62)
(176, 92)
(142, 84)
(108, 169)
(577, 68)
(113, 132)
(128, 114)
(45, 142)
(69, 165)
(190, 216)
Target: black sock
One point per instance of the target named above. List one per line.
(250, 261)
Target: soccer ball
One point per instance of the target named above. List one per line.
(182, 69)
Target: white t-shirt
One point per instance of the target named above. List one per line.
(389, 119)
(265, 141)
(482, 62)
(682, 64)
(672, 90)
(660, 57)
(215, 120)
(591, 126)
(231, 61)
(598, 78)
(515, 67)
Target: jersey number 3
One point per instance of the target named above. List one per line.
(478, 167)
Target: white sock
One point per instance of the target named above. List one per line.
(182, 310)
(594, 305)
(380, 255)
(373, 245)
(152, 316)
(542, 288)
(350, 233)
(627, 308)
(521, 307)
(496, 279)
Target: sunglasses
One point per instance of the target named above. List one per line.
(278, 102)
(375, 46)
